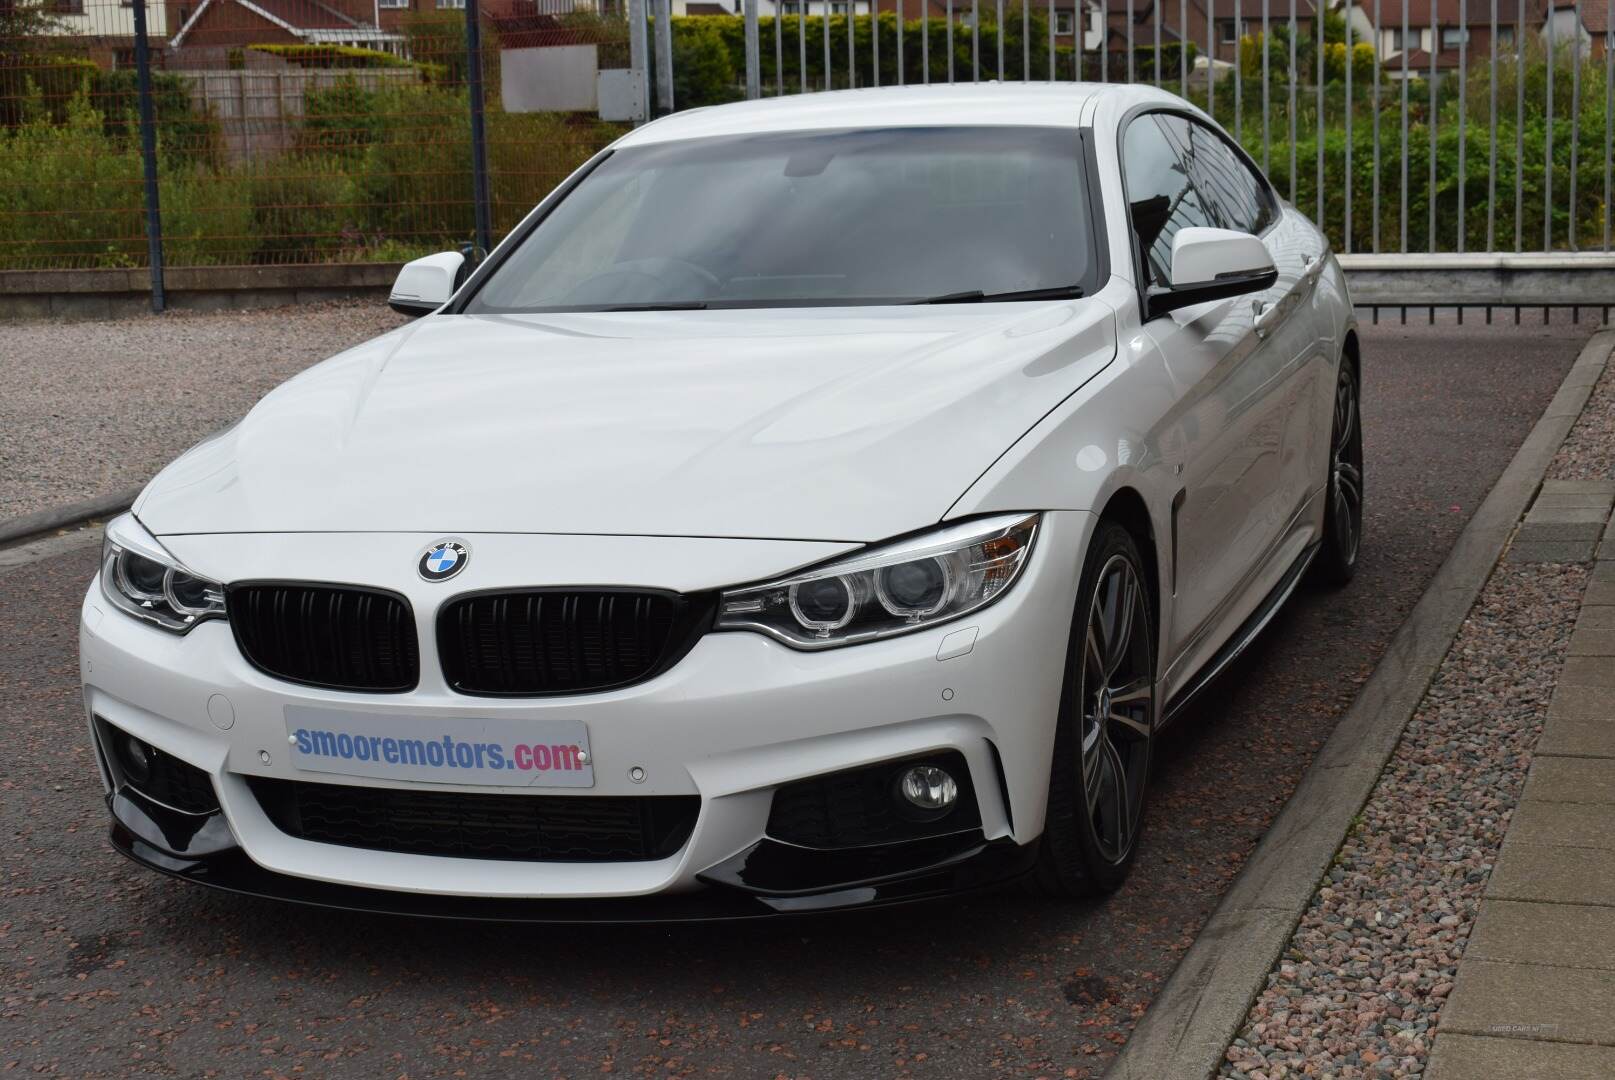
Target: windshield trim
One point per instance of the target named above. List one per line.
(1098, 268)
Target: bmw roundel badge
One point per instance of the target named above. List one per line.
(444, 559)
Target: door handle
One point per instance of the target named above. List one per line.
(1266, 316)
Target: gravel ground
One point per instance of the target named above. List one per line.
(107, 970)
(1588, 452)
(1359, 990)
(91, 408)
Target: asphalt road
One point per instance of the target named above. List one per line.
(108, 971)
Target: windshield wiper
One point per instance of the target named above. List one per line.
(671, 305)
(976, 296)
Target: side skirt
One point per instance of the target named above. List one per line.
(1246, 634)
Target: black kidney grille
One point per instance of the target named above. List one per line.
(552, 641)
(539, 828)
(340, 637)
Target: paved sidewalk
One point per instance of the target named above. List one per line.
(1535, 991)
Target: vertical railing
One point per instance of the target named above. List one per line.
(1416, 91)
(148, 159)
(479, 135)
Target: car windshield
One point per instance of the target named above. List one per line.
(867, 216)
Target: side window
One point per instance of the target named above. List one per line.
(1234, 196)
(1161, 196)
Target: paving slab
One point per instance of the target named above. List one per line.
(1562, 935)
(1571, 780)
(1571, 500)
(1479, 1057)
(1548, 531)
(1570, 515)
(1552, 551)
(1588, 671)
(1553, 875)
(1533, 1001)
(1582, 702)
(1582, 487)
(1593, 643)
(1565, 737)
(1597, 617)
(1601, 590)
(1577, 825)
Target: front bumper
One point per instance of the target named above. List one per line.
(738, 717)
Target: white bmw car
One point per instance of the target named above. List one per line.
(814, 503)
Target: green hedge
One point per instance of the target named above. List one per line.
(397, 184)
(348, 56)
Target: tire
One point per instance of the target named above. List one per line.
(1336, 563)
(1091, 834)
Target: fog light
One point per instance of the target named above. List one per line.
(928, 788)
(135, 757)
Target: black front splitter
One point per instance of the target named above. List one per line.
(987, 865)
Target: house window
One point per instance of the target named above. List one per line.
(393, 3)
(1452, 37)
(838, 9)
(1227, 31)
(457, 5)
(1505, 35)
(1065, 22)
(1393, 39)
(68, 7)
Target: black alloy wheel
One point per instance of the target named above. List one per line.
(1343, 511)
(1106, 727)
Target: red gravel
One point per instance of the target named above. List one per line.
(1588, 452)
(1359, 989)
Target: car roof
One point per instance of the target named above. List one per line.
(991, 104)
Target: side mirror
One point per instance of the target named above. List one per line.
(1212, 264)
(426, 284)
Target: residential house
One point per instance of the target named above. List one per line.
(394, 14)
(106, 28)
(788, 8)
(1210, 25)
(234, 23)
(1435, 28)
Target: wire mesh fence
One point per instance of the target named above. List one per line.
(299, 131)
(286, 131)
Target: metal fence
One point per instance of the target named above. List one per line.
(295, 131)
(253, 132)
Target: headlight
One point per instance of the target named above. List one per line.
(139, 577)
(909, 585)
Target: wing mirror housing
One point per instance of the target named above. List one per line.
(426, 284)
(1212, 264)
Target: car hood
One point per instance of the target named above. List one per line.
(810, 424)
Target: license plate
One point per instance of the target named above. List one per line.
(441, 750)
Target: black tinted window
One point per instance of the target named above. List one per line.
(832, 217)
(1160, 194)
(1230, 192)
